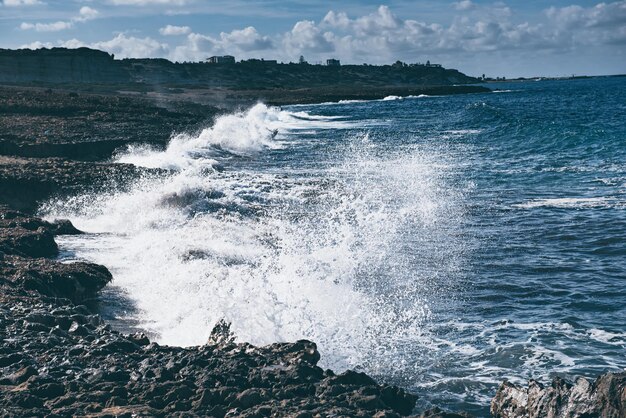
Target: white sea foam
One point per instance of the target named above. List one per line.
(572, 202)
(607, 337)
(283, 256)
(242, 133)
(462, 132)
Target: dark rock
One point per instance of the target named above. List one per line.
(19, 376)
(139, 338)
(27, 401)
(65, 227)
(440, 413)
(352, 378)
(48, 390)
(249, 398)
(398, 400)
(77, 329)
(221, 334)
(24, 242)
(10, 359)
(75, 281)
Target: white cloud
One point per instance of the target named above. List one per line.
(47, 27)
(17, 3)
(306, 36)
(382, 36)
(464, 5)
(131, 47)
(478, 34)
(84, 14)
(247, 39)
(170, 30)
(242, 43)
(121, 45)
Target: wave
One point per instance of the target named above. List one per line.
(283, 253)
(243, 133)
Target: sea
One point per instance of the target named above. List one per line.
(439, 243)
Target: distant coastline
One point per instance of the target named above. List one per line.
(227, 85)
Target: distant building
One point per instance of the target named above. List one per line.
(223, 59)
(428, 64)
(259, 61)
(333, 62)
(302, 60)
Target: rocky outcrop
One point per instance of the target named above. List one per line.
(604, 398)
(26, 241)
(75, 281)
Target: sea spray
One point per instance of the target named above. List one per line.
(285, 255)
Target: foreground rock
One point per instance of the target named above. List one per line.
(27, 182)
(57, 358)
(604, 398)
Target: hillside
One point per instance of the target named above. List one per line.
(83, 65)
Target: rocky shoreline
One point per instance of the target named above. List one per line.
(59, 358)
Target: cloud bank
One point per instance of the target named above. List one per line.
(476, 31)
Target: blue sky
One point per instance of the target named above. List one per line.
(498, 38)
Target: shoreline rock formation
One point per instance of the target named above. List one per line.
(603, 398)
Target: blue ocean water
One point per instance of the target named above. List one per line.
(442, 244)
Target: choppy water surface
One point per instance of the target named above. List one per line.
(439, 243)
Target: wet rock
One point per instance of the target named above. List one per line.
(25, 242)
(604, 398)
(221, 334)
(65, 227)
(398, 400)
(352, 378)
(139, 338)
(75, 281)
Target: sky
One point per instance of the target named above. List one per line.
(498, 38)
